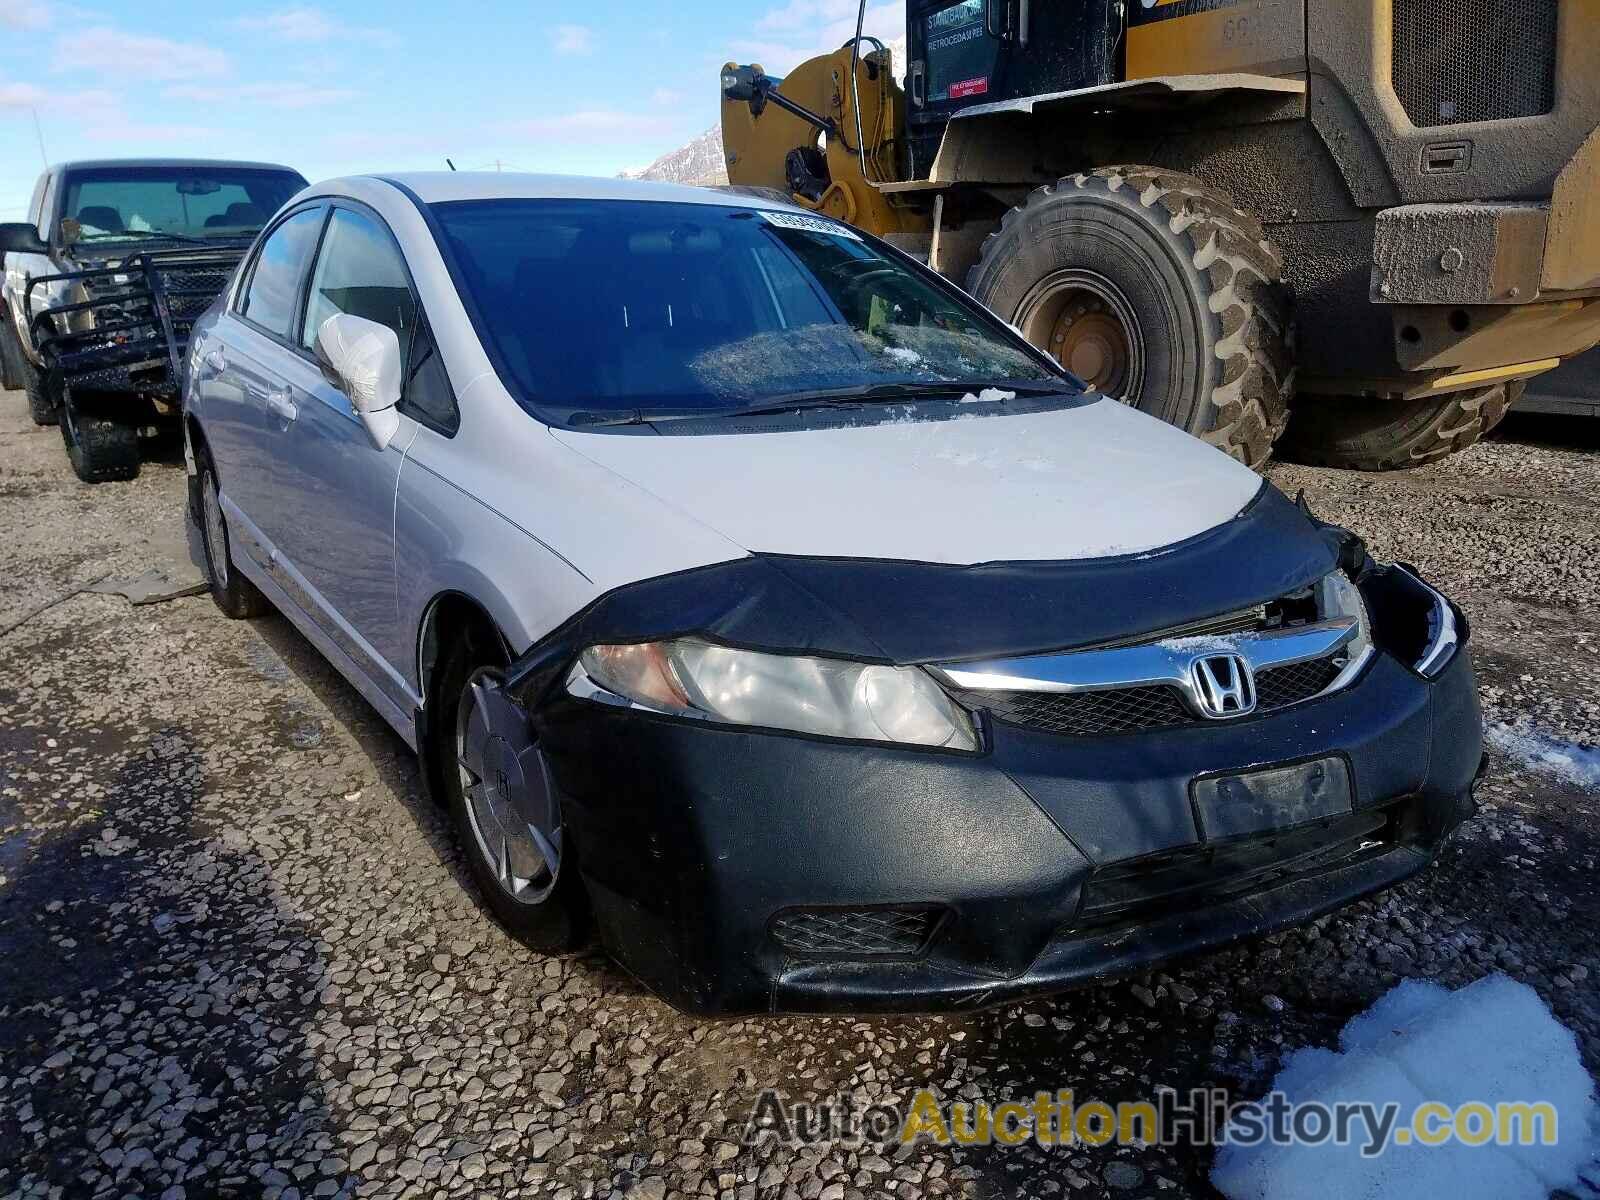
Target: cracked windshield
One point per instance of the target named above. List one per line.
(600, 307)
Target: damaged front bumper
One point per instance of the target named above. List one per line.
(738, 871)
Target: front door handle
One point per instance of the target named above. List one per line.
(283, 404)
(214, 361)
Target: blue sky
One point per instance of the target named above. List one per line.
(350, 85)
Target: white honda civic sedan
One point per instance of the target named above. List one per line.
(761, 604)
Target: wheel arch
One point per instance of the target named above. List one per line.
(451, 614)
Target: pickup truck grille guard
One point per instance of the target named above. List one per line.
(131, 332)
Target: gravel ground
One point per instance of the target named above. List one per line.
(239, 956)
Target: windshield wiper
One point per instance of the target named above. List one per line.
(128, 235)
(880, 393)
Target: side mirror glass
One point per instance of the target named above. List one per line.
(19, 237)
(362, 359)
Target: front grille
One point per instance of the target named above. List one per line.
(1122, 892)
(1463, 61)
(855, 932)
(1280, 686)
(1085, 714)
(1137, 709)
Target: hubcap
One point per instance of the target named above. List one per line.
(216, 531)
(511, 804)
(1084, 321)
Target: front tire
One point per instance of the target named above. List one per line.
(1365, 434)
(1156, 290)
(503, 801)
(43, 389)
(101, 450)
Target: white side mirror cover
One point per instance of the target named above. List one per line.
(362, 359)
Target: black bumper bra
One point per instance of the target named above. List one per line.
(904, 613)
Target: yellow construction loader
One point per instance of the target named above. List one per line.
(1356, 225)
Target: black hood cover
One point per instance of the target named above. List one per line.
(915, 612)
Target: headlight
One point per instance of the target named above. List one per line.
(827, 696)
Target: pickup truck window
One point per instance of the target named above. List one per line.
(191, 202)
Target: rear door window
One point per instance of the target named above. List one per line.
(273, 295)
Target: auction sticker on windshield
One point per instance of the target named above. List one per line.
(809, 224)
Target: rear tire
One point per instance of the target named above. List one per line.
(101, 450)
(235, 595)
(1363, 434)
(1159, 287)
(542, 907)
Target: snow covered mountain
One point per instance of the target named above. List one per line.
(699, 162)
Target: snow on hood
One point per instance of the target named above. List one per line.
(1091, 481)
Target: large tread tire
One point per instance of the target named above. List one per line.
(44, 392)
(1364, 434)
(561, 921)
(1199, 272)
(11, 378)
(100, 448)
(234, 595)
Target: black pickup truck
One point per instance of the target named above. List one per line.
(105, 279)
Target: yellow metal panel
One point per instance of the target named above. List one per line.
(1267, 36)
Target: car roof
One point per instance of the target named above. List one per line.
(210, 164)
(437, 187)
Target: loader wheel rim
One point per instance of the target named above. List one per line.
(1087, 324)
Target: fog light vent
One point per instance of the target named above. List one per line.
(855, 932)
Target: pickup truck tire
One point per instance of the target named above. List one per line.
(1156, 289)
(10, 356)
(101, 450)
(235, 595)
(44, 395)
(1364, 434)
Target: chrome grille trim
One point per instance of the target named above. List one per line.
(1167, 663)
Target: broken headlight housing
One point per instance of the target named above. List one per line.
(828, 697)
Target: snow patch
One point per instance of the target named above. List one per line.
(1203, 644)
(988, 396)
(1579, 765)
(1493, 1041)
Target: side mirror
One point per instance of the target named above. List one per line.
(19, 237)
(362, 359)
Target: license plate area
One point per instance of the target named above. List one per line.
(1247, 802)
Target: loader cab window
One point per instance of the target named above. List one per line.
(960, 54)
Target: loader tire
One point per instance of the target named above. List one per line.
(1364, 434)
(1160, 291)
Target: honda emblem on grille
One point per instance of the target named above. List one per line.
(1224, 685)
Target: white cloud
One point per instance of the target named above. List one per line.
(304, 24)
(666, 98)
(271, 95)
(574, 39)
(801, 29)
(23, 14)
(136, 56)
